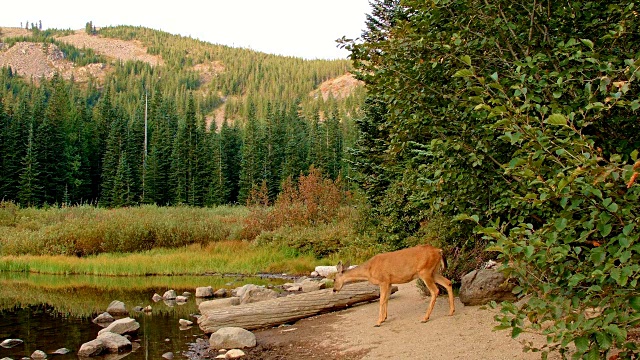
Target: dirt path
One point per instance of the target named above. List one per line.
(350, 334)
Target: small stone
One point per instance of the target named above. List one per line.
(314, 274)
(222, 292)
(121, 326)
(137, 309)
(147, 309)
(39, 354)
(167, 355)
(186, 294)
(62, 351)
(184, 322)
(114, 343)
(105, 317)
(91, 348)
(234, 337)
(156, 297)
(221, 356)
(234, 354)
(117, 307)
(204, 292)
(9, 343)
(169, 295)
(181, 299)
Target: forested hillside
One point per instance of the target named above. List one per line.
(220, 120)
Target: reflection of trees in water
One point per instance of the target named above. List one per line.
(85, 296)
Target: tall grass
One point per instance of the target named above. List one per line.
(216, 258)
(88, 230)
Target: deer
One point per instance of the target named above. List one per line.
(399, 267)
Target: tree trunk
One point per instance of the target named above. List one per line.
(289, 308)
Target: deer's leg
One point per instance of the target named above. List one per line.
(447, 285)
(433, 290)
(385, 290)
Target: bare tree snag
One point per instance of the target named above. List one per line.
(287, 309)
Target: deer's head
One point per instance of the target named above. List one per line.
(338, 281)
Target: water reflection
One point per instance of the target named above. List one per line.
(50, 312)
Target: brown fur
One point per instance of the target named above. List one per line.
(399, 267)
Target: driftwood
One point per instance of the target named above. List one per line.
(287, 309)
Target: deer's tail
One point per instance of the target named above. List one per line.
(443, 261)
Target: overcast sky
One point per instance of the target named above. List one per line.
(301, 28)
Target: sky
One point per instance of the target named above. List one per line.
(300, 28)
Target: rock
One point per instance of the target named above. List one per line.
(147, 309)
(121, 326)
(232, 337)
(234, 354)
(156, 298)
(325, 271)
(62, 351)
(39, 354)
(482, 286)
(184, 322)
(311, 285)
(239, 291)
(137, 309)
(167, 355)
(114, 343)
(117, 308)
(257, 294)
(170, 303)
(181, 299)
(222, 292)
(91, 348)
(186, 294)
(9, 343)
(218, 303)
(204, 292)
(292, 287)
(221, 356)
(169, 295)
(314, 274)
(105, 317)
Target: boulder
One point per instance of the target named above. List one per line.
(218, 303)
(482, 286)
(91, 348)
(114, 343)
(9, 343)
(167, 355)
(232, 337)
(204, 292)
(186, 294)
(156, 298)
(62, 351)
(169, 295)
(257, 294)
(181, 299)
(39, 354)
(121, 326)
(117, 308)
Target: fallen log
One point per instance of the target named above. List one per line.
(287, 309)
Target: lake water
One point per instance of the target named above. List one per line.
(50, 312)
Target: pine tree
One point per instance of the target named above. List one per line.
(334, 145)
(251, 164)
(296, 153)
(231, 155)
(29, 188)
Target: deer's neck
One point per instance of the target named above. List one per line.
(358, 273)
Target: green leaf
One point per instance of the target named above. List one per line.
(587, 42)
(494, 76)
(582, 344)
(466, 59)
(463, 73)
(556, 119)
(515, 332)
(634, 155)
(634, 302)
(561, 223)
(604, 340)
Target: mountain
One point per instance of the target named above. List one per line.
(127, 115)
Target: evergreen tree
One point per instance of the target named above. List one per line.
(231, 155)
(29, 188)
(217, 192)
(296, 153)
(334, 145)
(251, 165)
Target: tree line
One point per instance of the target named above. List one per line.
(60, 144)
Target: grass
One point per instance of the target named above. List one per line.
(222, 257)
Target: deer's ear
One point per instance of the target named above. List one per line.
(339, 267)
